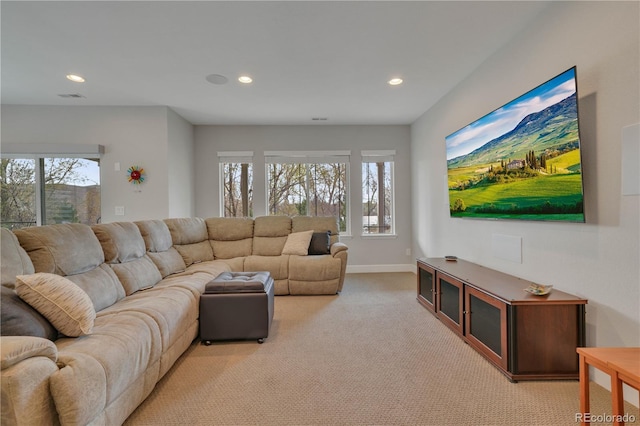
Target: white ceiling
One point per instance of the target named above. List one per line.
(308, 59)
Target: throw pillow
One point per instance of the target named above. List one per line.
(298, 243)
(20, 319)
(320, 243)
(59, 300)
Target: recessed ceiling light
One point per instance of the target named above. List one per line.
(245, 79)
(75, 78)
(395, 81)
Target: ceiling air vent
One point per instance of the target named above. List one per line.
(71, 95)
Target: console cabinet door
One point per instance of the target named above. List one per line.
(426, 286)
(449, 300)
(486, 325)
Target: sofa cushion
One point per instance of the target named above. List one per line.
(156, 235)
(63, 303)
(230, 237)
(125, 251)
(270, 234)
(278, 266)
(190, 238)
(229, 228)
(63, 249)
(298, 243)
(168, 262)
(187, 230)
(320, 243)
(137, 274)
(231, 249)
(15, 261)
(20, 319)
(157, 239)
(121, 241)
(172, 308)
(101, 284)
(196, 252)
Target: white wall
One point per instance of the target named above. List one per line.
(365, 253)
(598, 260)
(130, 135)
(180, 173)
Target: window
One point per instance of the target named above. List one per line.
(49, 190)
(236, 178)
(308, 184)
(377, 193)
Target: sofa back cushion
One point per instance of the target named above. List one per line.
(63, 249)
(125, 252)
(316, 224)
(14, 260)
(190, 238)
(121, 241)
(74, 251)
(157, 239)
(230, 236)
(101, 284)
(270, 235)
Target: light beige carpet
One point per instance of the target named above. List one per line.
(370, 356)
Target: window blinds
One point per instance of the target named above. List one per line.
(307, 157)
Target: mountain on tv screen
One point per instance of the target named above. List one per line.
(521, 161)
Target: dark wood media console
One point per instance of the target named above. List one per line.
(526, 337)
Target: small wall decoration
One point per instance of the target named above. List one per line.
(136, 175)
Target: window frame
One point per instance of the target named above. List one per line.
(313, 157)
(39, 153)
(380, 156)
(234, 157)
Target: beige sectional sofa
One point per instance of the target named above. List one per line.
(93, 317)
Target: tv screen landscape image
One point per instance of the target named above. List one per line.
(521, 161)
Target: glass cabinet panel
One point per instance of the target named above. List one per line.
(426, 285)
(486, 325)
(449, 301)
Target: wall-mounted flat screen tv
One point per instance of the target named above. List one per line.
(521, 161)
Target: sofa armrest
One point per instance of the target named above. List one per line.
(18, 348)
(27, 365)
(337, 248)
(340, 251)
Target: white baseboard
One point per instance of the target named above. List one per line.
(361, 269)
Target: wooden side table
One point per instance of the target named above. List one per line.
(622, 364)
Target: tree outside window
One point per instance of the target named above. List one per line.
(237, 181)
(48, 191)
(377, 194)
(308, 189)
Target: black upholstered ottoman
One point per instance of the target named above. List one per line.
(235, 306)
